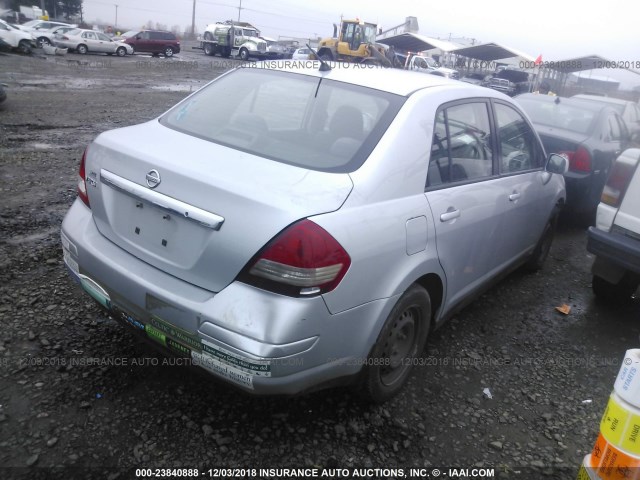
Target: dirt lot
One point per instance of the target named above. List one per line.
(65, 413)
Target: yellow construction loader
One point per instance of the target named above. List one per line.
(356, 43)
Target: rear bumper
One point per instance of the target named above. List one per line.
(261, 342)
(616, 248)
(583, 193)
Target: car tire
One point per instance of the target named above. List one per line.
(244, 54)
(82, 49)
(168, 52)
(43, 41)
(209, 49)
(208, 36)
(24, 47)
(619, 292)
(121, 51)
(398, 346)
(541, 252)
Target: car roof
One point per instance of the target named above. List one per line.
(393, 80)
(598, 98)
(575, 102)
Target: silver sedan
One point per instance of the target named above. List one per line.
(291, 227)
(89, 41)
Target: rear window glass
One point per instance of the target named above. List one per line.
(560, 115)
(292, 118)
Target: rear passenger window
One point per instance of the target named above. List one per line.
(461, 146)
(519, 149)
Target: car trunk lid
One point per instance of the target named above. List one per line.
(557, 140)
(194, 209)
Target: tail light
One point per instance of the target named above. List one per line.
(617, 183)
(82, 183)
(579, 161)
(304, 259)
(64, 37)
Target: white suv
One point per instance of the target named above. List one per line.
(615, 240)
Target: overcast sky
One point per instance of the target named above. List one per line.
(551, 28)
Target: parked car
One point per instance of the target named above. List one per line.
(275, 50)
(615, 239)
(518, 80)
(288, 228)
(123, 36)
(155, 42)
(301, 54)
(473, 78)
(89, 41)
(630, 112)
(503, 85)
(49, 37)
(16, 38)
(424, 64)
(589, 134)
(33, 26)
(3, 93)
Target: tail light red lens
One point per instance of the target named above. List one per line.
(579, 161)
(82, 183)
(617, 183)
(303, 256)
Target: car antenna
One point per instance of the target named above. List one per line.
(324, 66)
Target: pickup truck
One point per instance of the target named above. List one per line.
(421, 63)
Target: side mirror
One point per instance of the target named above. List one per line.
(557, 164)
(138, 37)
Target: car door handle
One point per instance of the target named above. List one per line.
(450, 214)
(514, 196)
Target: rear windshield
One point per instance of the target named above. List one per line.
(292, 118)
(575, 118)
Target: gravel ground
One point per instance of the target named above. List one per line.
(81, 397)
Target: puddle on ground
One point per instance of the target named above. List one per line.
(44, 146)
(176, 87)
(34, 237)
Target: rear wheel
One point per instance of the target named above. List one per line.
(168, 52)
(209, 49)
(208, 36)
(82, 49)
(615, 292)
(121, 51)
(398, 347)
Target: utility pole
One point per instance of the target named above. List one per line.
(239, 8)
(193, 21)
(116, 25)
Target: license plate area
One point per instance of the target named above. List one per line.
(152, 230)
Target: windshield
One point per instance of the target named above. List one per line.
(369, 33)
(130, 33)
(296, 119)
(559, 115)
(249, 33)
(31, 23)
